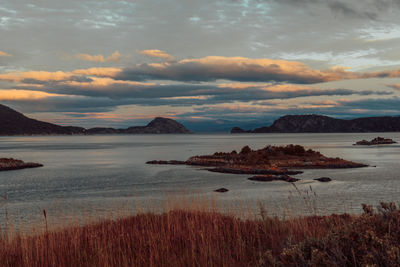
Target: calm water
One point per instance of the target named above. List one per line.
(99, 174)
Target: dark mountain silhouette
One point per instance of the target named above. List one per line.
(157, 126)
(324, 124)
(15, 123)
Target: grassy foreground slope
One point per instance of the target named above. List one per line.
(198, 238)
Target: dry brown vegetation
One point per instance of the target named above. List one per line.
(208, 238)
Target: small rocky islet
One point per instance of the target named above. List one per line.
(9, 164)
(270, 178)
(376, 141)
(221, 190)
(271, 163)
(323, 179)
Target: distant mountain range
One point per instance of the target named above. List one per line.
(15, 123)
(157, 126)
(324, 124)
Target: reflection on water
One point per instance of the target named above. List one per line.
(97, 174)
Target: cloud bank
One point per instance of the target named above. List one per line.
(114, 57)
(4, 54)
(155, 53)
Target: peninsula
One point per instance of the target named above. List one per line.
(324, 124)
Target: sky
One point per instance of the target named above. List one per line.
(209, 64)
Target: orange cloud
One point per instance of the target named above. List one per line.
(239, 86)
(4, 54)
(394, 86)
(97, 82)
(157, 53)
(12, 95)
(35, 75)
(114, 57)
(270, 87)
(99, 72)
(47, 76)
(287, 88)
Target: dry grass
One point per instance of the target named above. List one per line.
(203, 237)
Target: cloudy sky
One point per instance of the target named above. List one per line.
(206, 63)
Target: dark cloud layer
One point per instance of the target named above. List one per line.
(192, 94)
(361, 9)
(234, 69)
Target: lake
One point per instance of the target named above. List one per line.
(98, 175)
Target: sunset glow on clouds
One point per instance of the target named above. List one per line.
(157, 54)
(206, 60)
(4, 54)
(16, 95)
(114, 57)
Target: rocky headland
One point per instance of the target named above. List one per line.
(8, 164)
(267, 164)
(15, 123)
(376, 141)
(324, 124)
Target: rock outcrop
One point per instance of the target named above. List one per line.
(323, 179)
(324, 124)
(8, 164)
(221, 190)
(270, 178)
(376, 141)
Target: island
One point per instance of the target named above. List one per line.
(267, 164)
(8, 164)
(323, 179)
(15, 123)
(376, 141)
(221, 190)
(325, 124)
